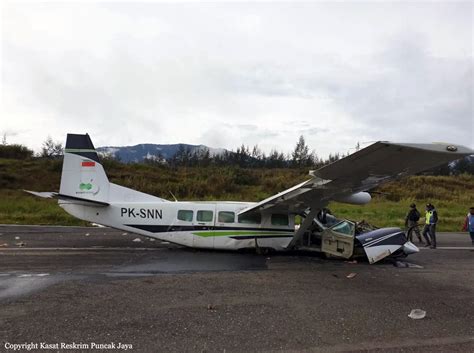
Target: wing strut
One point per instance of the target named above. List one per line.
(304, 226)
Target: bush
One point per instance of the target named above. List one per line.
(15, 152)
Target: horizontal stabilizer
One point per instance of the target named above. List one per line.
(55, 195)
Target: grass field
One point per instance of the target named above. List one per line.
(451, 195)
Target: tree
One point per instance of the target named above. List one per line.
(300, 155)
(51, 149)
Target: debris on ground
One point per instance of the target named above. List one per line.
(21, 244)
(151, 239)
(403, 264)
(351, 275)
(211, 307)
(87, 234)
(417, 314)
(4, 245)
(17, 238)
(351, 262)
(124, 233)
(137, 240)
(414, 265)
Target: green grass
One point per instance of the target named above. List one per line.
(451, 195)
(16, 207)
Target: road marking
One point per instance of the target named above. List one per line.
(81, 249)
(450, 248)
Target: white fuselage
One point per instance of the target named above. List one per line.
(212, 225)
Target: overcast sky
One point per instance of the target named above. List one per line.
(231, 73)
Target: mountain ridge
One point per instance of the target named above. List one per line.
(144, 151)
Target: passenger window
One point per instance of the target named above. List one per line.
(252, 218)
(280, 220)
(226, 217)
(344, 227)
(205, 216)
(185, 215)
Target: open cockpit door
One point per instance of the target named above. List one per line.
(338, 240)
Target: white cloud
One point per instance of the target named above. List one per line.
(204, 73)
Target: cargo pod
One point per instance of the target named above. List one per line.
(338, 240)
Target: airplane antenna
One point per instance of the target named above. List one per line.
(174, 197)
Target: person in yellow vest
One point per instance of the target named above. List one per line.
(429, 230)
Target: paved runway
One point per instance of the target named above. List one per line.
(63, 285)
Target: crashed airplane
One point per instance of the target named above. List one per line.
(86, 193)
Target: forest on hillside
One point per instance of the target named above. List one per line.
(302, 157)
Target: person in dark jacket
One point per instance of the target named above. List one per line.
(411, 223)
(429, 230)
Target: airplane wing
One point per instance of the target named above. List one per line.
(360, 171)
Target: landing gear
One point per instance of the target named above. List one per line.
(262, 250)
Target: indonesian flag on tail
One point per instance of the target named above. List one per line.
(88, 164)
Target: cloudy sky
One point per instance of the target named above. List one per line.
(231, 73)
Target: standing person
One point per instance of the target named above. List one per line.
(411, 222)
(431, 218)
(469, 224)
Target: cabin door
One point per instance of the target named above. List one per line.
(339, 239)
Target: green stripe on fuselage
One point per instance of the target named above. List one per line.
(229, 233)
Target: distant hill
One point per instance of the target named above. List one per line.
(138, 153)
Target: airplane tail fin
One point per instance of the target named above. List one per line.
(83, 176)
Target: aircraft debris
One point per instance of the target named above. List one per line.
(17, 238)
(124, 233)
(87, 234)
(4, 245)
(417, 314)
(351, 262)
(351, 275)
(137, 240)
(21, 244)
(402, 264)
(211, 307)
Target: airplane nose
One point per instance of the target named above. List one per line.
(410, 248)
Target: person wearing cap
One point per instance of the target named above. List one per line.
(429, 230)
(469, 224)
(411, 223)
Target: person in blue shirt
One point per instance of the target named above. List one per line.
(469, 224)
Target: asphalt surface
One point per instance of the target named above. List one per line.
(97, 286)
